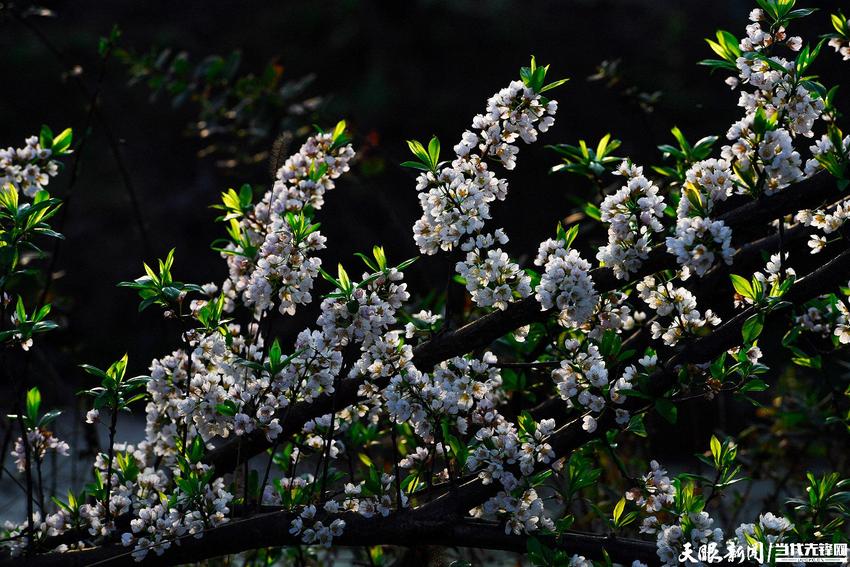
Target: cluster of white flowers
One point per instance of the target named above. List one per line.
(697, 244)
(17, 534)
(284, 266)
(612, 313)
(826, 220)
(655, 493)
(515, 112)
(158, 523)
(456, 199)
(272, 261)
(826, 317)
(712, 179)
(774, 154)
(818, 320)
(421, 324)
(191, 387)
(455, 202)
(582, 381)
(656, 498)
(317, 533)
(772, 527)
(367, 314)
(776, 94)
(582, 378)
(41, 441)
(758, 39)
(841, 46)
(28, 169)
(679, 305)
(309, 173)
(566, 284)
(454, 389)
(491, 277)
(822, 147)
(699, 241)
(633, 215)
(526, 513)
(466, 392)
(500, 444)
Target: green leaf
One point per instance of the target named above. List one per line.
(752, 328)
(553, 85)
(715, 449)
(339, 130)
(415, 165)
(570, 235)
(33, 404)
(419, 151)
(666, 409)
(593, 211)
(742, 286)
(344, 281)
(618, 510)
(434, 152)
(62, 142)
(755, 385)
(45, 137)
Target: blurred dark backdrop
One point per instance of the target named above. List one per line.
(394, 70)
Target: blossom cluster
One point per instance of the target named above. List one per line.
(309, 173)
(317, 533)
(565, 284)
(699, 242)
(29, 168)
(41, 442)
(655, 493)
(456, 198)
(822, 147)
(827, 220)
(678, 305)
(612, 313)
(491, 277)
(466, 392)
(633, 215)
(271, 259)
(841, 46)
(159, 524)
(826, 317)
(657, 500)
(770, 156)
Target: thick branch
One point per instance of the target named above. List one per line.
(405, 529)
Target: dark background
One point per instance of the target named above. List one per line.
(394, 70)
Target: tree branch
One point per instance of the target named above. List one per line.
(405, 529)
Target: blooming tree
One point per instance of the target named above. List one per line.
(514, 421)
